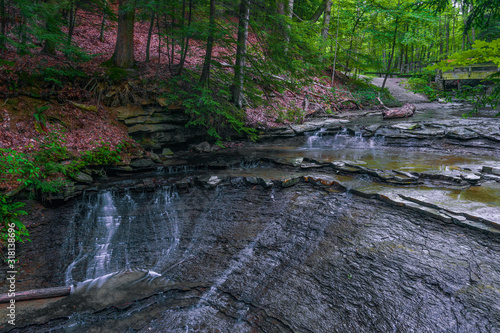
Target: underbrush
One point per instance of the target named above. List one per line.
(43, 171)
(366, 94)
(209, 107)
(421, 85)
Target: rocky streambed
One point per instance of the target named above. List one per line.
(333, 226)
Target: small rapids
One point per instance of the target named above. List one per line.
(322, 139)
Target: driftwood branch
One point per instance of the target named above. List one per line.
(36, 294)
(382, 103)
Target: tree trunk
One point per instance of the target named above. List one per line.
(205, 74)
(392, 53)
(464, 35)
(123, 55)
(150, 33)
(286, 11)
(326, 19)
(36, 294)
(319, 11)
(49, 45)
(71, 20)
(447, 36)
(3, 27)
(105, 7)
(186, 42)
(453, 35)
(336, 44)
(241, 50)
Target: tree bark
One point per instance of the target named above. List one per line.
(392, 53)
(241, 50)
(286, 11)
(326, 19)
(205, 74)
(186, 41)
(71, 20)
(319, 11)
(3, 28)
(336, 44)
(49, 45)
(150, 33)
(37, 294)
(123, 55)
(447, 36)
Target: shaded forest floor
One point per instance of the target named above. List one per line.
(42, 94)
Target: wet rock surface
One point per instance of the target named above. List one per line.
(294, 259)
(336, 226)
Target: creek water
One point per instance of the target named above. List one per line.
(238, 256)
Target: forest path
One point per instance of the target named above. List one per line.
(399, 92)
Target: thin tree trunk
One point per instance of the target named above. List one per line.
(464, 35)
(186, 42)
(21, 49)
(319, 11)
(326, 19)
(453, 35)
(172, 51)
(205, 74)
(447, 36)
(49, 46)
(289, 13)
(286, 11)
(123, 55)
(392, 52)
(103, 22)
(358, 19)
(441, 33)
(3, 28)
(336, 44)
(71, 20)
(150, 33)
(241, 49)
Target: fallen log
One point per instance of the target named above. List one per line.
(36, 294)
(405, 111)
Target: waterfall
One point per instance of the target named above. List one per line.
(111, 231)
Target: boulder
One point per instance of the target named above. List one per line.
(129, 111)
(82, 177)
(203, 147)
(142, 163)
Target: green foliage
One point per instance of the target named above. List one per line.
(481, 52)
(116, 74)
(59, 76)
(39, 116)
(366, 94)
(37, 172)
(479, 96)
(9, 217)
(421, 85)
(210, 108)
(102, 155)
(18, 165)
(293, 114)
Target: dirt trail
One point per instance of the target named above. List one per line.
(400, 93)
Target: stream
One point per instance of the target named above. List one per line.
(357, 225)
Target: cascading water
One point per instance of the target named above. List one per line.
(108, 225)
(345, 139)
